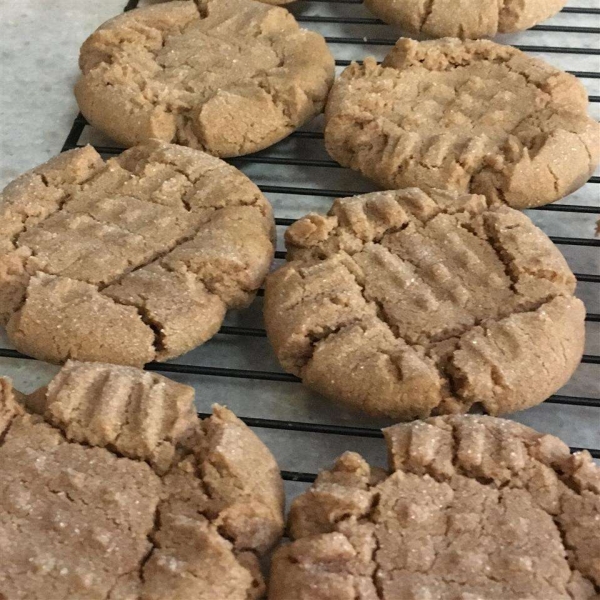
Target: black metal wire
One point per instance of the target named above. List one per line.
(72, 140)
(300, 477)
(588, 278)
(579, 10)
(344, 62)
(568, 241)
(365, 432)
(560, 240)
(374, 21)
(295, 476)
(252, 374)
(367, 41)
(278, 160)
(261, 158)
(326, 163)
(584, 277)
(568, 10)
(300, 191)
(244, 331)
(585, 74)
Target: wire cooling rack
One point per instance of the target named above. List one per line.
(237, 367)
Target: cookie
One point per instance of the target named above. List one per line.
(464, 18)
(470, 507)
(113, 488)
(408, 304)
(130, 260)
(473, 117)
(226, 76)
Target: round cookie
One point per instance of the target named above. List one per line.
(226, 76)
(130, 260)
(471, 116)
(464, 18)
(406, 304)
(113, 488)
(470, 507)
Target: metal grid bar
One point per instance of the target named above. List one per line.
(567, 241)
(260, 158)
(72, 141)
(326, 430)
(280, 189)
(593, 75)
(523, 47)
(170, 367)
(326, 163)
(374, 21)
(572, 9)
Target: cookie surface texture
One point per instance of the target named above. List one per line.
(226, 76)
(467, 116)
(408, 304)
(464, 18)
(130, 260)
(470, 507)
(113, 488)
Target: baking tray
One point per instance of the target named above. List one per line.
(238, 368)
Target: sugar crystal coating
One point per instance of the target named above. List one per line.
(405, 304)
(470, 116)
(113, 488)
(130, 260)
(470, 507)
(226, 76)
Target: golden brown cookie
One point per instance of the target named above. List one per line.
(469, 508)
(406, 304)
(473, 117)
(113, 488)
(130, 260)
(226, 76)
(464, 18)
